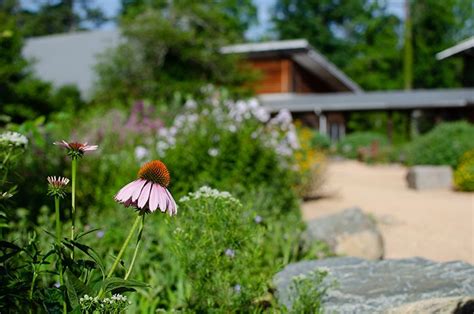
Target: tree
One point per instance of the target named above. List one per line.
(17, 86)
(22, 95)
(438, 25)
(52, 17)
(172, 46)
(358, 36)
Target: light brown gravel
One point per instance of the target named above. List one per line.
(434, 224)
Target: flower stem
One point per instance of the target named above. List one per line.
(122, 250)
(137, 246)
(58, 220)
(58, 240)
(35, 275)
(73, 200)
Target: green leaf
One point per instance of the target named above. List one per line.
(92, 254)
(5, 245)
(82, 234)
(119, 283)
(75, 288)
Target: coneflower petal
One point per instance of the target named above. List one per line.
(145, 195)
(154, 195)
(173, 208)
(138, 188)
(162, 198)
(126, 192)
(87, 148)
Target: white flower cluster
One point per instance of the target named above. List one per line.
(13, 139)
(117, 302)
(283, 137)
(278, 133)
(229, 114)
(207, 192)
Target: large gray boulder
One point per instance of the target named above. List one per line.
(430, 177)
(350, 232)
(413, 285)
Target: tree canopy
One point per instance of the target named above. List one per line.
(364, 39)
(174, 46)
(46, 17)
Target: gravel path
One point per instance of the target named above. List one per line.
(435, 224)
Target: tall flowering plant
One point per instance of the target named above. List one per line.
(82, 281)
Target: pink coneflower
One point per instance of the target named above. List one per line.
(57, 186)
(149, 191)
(75, 149)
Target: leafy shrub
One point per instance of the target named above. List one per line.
(444, 145)
(306, 292)
(217, 243)
(464, 174)
(321, 141)
(224, 144)
(353, 145)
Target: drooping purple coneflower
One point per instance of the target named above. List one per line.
(149, 192)
(75, 149)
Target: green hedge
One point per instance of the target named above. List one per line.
(444, 145)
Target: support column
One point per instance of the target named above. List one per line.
(323, 124)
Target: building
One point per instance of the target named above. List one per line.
(294, 76)
(298, 78)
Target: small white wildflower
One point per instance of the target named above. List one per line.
(230, 253)
(258, 219)
(283, 118)
(13, 139)
(237, 288)
(232, 128)
(141, 153)
(213, 152)
(190, 104)
(184, 199)
(161, 147)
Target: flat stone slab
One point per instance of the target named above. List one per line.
(350, 232)
(430, 177)
(386, 286)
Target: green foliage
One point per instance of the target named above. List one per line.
(52, 17)
(362, 38)
(377, 122)
(444, 145)
(214, 145)
(321, 141)
(234, 15)
(351, 145)
(438, 25)
(358, 36)
(217, 242)
(464, 174)
(306, 292)
(174, 46)
(22, 96)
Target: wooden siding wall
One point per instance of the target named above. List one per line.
(283, 75)
(276, 74)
